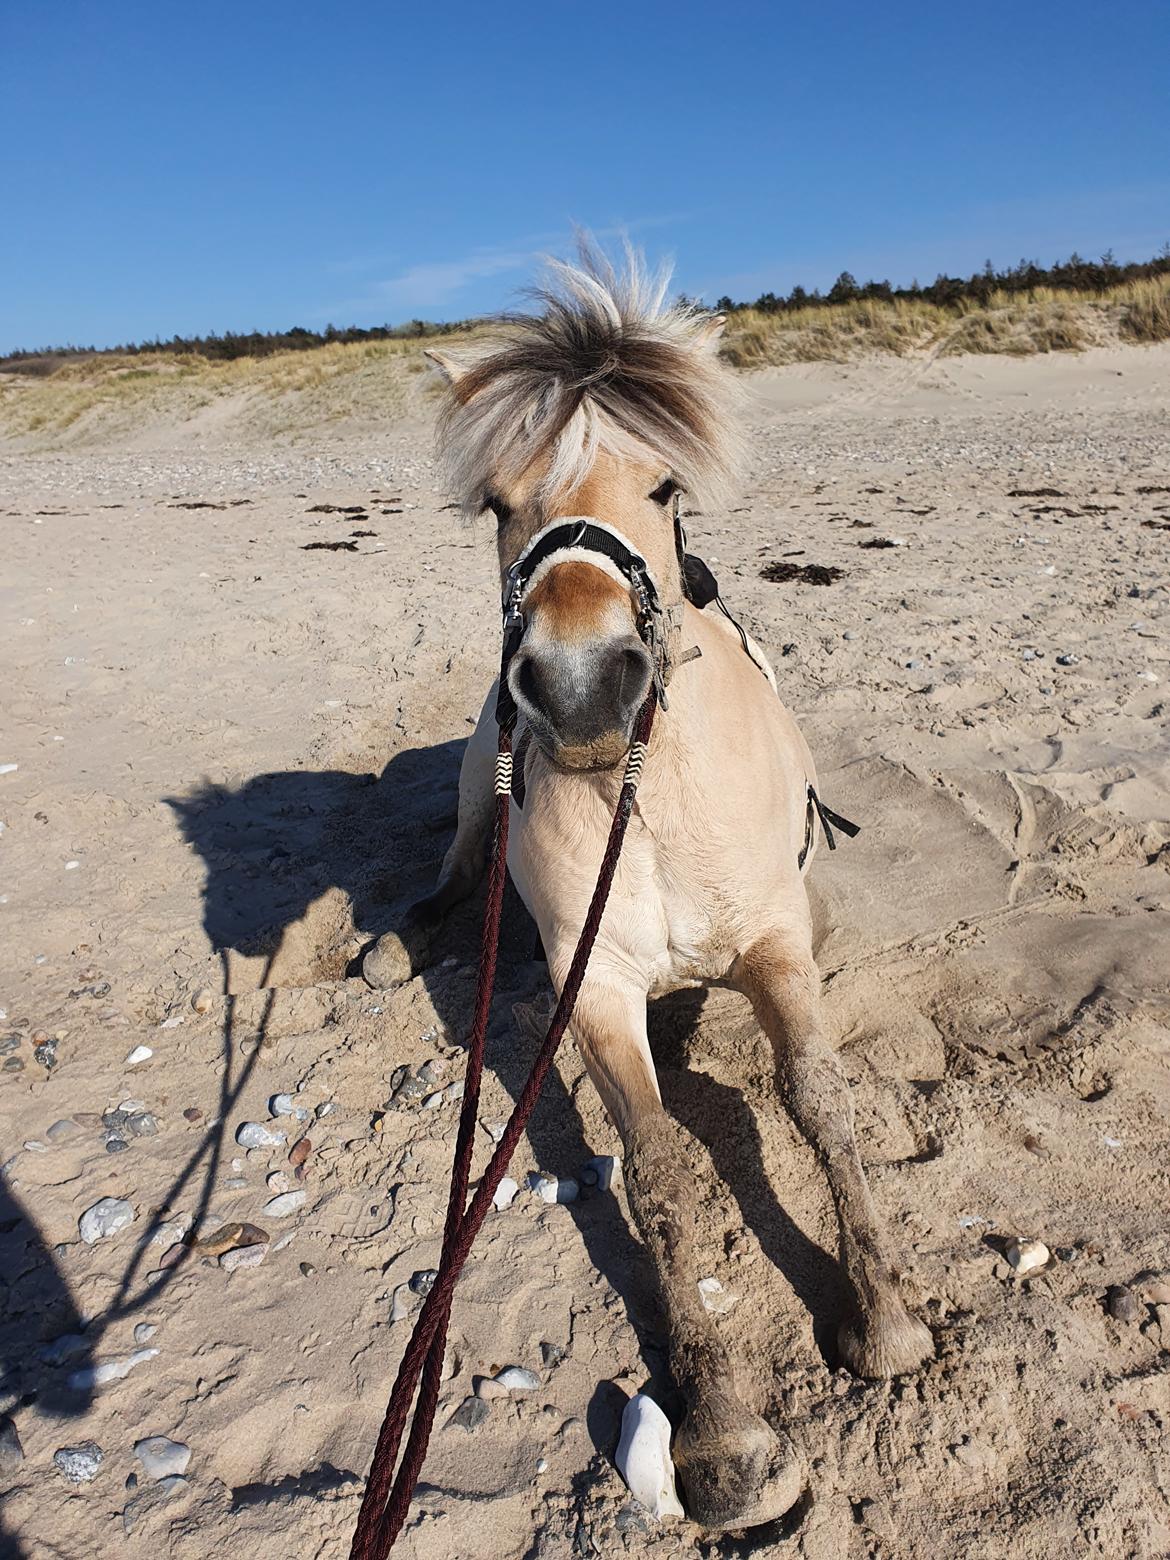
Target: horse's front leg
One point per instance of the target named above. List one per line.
(405, 950)
(735, 1471)
(781, 978)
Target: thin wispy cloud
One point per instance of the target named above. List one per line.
(434, 287)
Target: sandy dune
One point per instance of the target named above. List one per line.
(235, 757)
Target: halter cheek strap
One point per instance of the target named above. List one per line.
(594, 542)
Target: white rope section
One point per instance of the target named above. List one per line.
(634, 764)
(503, 774)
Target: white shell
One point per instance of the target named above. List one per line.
(643, 1457)
(1027, 1255)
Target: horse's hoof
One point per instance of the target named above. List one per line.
(395, 958)
(736, 1472)
(888, 1342)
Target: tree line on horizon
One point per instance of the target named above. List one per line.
(1072, 275)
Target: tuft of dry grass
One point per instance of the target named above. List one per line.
(1043, 320)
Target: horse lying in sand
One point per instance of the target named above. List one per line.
(578, 430)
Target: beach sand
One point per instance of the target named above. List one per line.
(236, 755)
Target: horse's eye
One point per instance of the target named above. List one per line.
(665, 492)
(498, 508)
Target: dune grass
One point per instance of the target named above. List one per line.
(1043, 320)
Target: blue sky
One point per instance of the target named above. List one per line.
(171, 167)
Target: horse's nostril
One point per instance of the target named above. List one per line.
(528, 682)
(634, 675)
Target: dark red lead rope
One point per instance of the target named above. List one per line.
(386, 1500)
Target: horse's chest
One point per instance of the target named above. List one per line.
(692, 945)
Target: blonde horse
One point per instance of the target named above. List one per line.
(578, 429)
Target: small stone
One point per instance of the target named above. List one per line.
(46, 1054)
(63, 1131)
(488, 1388)
(64, 1348)
(104, 1219)
(282, 1105)
(432, 1071)
(470, 1414)
(542, 1465)
(11, 1451)
(716, 1299)
(143, 1124)
(162, 1458)
(202, 1000)
(1026, 1255)
(192, 1114)
(217, 1241)
(1068, 660)
(551, 1354)
(79, 1463)
(1122, 1304)
(144, 1332)
(643, 1457)
(278, 1182)
(299, 1152)
(601, 1171)
(243, 1257)
(424, 1281)
(516, 1379)
(404, 1303)
(433, 1101)
(148, 1499)
(551, 1190)
(410, 1090)
(326, 1108)
(454, 1091)
(1154, 1288)
(140, 1053)
(254, 1134)
(12, 1064)
(495, 1129)
(505, 1193)
(287, 1203)
(307, 1269)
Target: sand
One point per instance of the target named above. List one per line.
(237, 757)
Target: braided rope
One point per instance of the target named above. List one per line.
(386, 1501)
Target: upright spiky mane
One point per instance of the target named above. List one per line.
(605, 363)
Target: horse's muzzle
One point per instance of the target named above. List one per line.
(581, 700)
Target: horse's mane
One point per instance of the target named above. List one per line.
(605, 363)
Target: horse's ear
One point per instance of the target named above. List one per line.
(710, 331)
(451, 371)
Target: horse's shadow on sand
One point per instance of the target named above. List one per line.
(278, 843)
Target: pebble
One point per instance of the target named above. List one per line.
(516, 1379)
(162, 1458)
(505, 1193)
(254, 1134)
(551, 1354)
(410, 1090)
(551, 1190)
(192, 1114)
(243, 1257)
(424, 1281)
(495, 1129)
(11, 1451)
(470, 1414)
(542, 1465)
(433, 1101)
(299, 1152)
(79, 1463)
(143, 1124)
(307, 1269)
(1122, 1304)
(140, 1053)
(716, 1299)
(432, 1071)
(1154, 1287)
(144, 1332)
(63, 1348)
(202, 1000)
(63, 1131)
(278, 1182)
(173, 1021)
(1068, 660)
(46, 1054)
(109, 1370)
(643, 1457)
(600, 1171)
(1026, 1255)
(488, 1388)
(282, 1105)
(288, 1202)
(403, 1303)
(326, 1108)
(104, 1219)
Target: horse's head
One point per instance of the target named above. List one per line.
(578, 431)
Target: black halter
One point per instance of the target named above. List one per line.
(590, 536)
